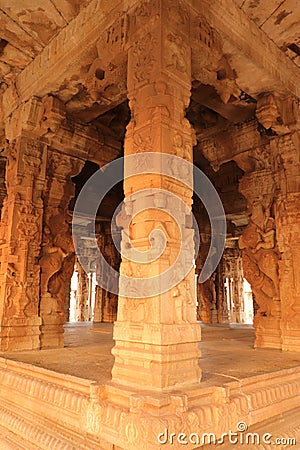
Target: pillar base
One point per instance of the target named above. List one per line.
(291, 335)
(156, 356)
(20, 333)
(52, 333)
(267, 332)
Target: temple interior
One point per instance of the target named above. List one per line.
(150, 224)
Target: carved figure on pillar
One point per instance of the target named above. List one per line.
(21, 232)
(57, 255)
(163, 325)
(260, 256)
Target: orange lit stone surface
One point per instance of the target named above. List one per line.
(82, 83)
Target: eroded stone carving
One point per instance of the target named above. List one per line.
(261, 256)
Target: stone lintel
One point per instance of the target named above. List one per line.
(46, 120)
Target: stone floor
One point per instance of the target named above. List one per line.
(227, 354)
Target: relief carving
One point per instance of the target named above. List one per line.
(144, 58)
(279, 114)
(260, 255)
(176, 53)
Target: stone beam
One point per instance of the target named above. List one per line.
(47, 119)
(259, 64)
(72, 50)
(238, 142)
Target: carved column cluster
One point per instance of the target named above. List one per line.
(260, 253)
(157, 336)
(36, 247)
(20, 235)
(57, 254)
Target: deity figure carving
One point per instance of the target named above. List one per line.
(55, 262)
(260, 255)
(51, 260)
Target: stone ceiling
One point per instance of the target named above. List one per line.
(27, 26)
(280, 20)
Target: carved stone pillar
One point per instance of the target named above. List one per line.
(3, 192)
(20, 239)
(109, 300)
(205, 291)
(82, 294)
(233, 271)
(260, 253)
(97, 318)
(287, 218)
(223, 313)
(156, 337)
(57, 255)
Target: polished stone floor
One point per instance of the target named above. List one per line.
(227, 354)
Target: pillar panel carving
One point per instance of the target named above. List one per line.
(21, 232)
(3, 191)
(57, 255)
(206, 292)
(82, 295)
(260, 254)
(157, 336)
(287, 207)
(98, 306)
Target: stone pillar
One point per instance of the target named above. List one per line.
(3, 192)
(157, 338)
(287, 218)
(90, 296)
(260, 252)
(82, 294)
(109, 300)
(97, 318)
(223, 313)
(233, 271)
(20, 240)
(57, 255)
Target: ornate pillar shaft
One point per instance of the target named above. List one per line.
(82, 294)
(287, 218)
(21, 232)
(97, 318)
(3, 192)
(157, 336)
(260, 253)
(109, 300)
